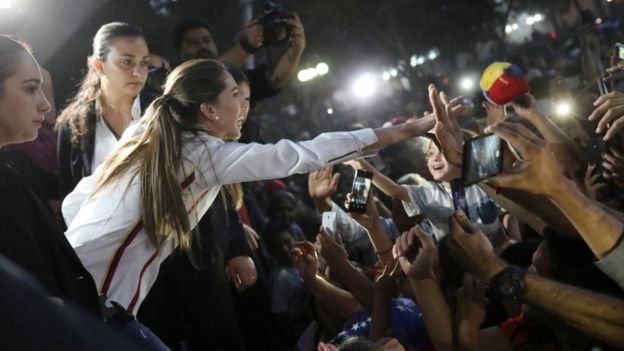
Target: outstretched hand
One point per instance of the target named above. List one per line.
(446, 129)
(538, 171)
(323, 183)
(609, 113)
(417, 254)
(306, 260)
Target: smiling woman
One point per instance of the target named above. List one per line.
(105, 104)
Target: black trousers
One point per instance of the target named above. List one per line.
(191, 301)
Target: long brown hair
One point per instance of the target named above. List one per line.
(155, 156)
(81, 113)
(12, 52)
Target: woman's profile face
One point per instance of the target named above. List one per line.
(125, 69)
(245, 92)
(229, 110)
(22, 103)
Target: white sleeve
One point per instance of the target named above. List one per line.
(235, 162)
(74, 200)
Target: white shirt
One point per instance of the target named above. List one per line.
(105, 231)
(105, 139)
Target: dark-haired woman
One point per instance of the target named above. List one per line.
(106, 103)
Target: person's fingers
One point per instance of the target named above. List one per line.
(444, 98)
(509, 180)
(395, 250)
(464, 222)
(611, 114)
(410, 238)
(511, 134)
(608, 166)
(616, 154)
(615, 128)
(456, 100)
(609, 158)
(436, 104)
(425, 239)
(396, 269)
(334, 181)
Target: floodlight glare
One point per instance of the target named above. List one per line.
(466, 84)
(538, 17)
(322, 68)
(385, 76)
(508, 29)
(563, 109)
(330, 111)
(6, 4)
(306, 74)
(394, 72)
(364, 86)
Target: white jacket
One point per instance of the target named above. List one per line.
(106, 230)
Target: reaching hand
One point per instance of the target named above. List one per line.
(609, 114)
(306, 260)
(242, 272)
(592, 183)
(417, 254)
(538, 172)
(359, 163)
(471, 301)
(332, 250)
(297, 35)
(495, 113)
(253, 238)
(531, 112)
(446, 129)
(613, 163)
(370, 218)
(389, 280)
(322, 184)
(254, 32)
(471, 248)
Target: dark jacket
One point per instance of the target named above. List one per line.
(31, 238)
(74, 160)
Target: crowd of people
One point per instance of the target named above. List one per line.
(148, 217)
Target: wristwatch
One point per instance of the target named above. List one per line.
(510, 287)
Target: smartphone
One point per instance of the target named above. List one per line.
(459, 195)
(596, 147)
(359, 191)
(620, 50)
(328, 223)
(483, 158)
(603, 87)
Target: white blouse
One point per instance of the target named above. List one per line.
(106, 230)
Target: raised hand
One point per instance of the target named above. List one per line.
(332, 249)
(306, 260)
(471, 301)
(322, 183)
(446, 129)
(417, 254)
(242, 272)
(254, 32)
(538, 172)
(609, 114)
(613, 164)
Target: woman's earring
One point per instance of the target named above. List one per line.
(216, 118)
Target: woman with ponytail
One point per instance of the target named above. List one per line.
(106, 102)
(127, 217)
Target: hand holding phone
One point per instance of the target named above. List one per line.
(483, 159)
(359, 191)
(328, 223)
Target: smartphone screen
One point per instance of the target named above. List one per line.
(595, 149)
(620, 50)
(459, 195)
(483, 158)
(359, 191)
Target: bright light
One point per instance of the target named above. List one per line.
(609, 0)
(508, 29)
(306, 74)
(414, 61)
(6, 4)
(466, 84)
(598, 20)
(530, 20)
(514, 26)
(433, 54)
(385, 76)
(364, 86)
(538, 17)
(420, 60)
(394, 72)
(322, 68)
(563, 109)
(330, 111)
